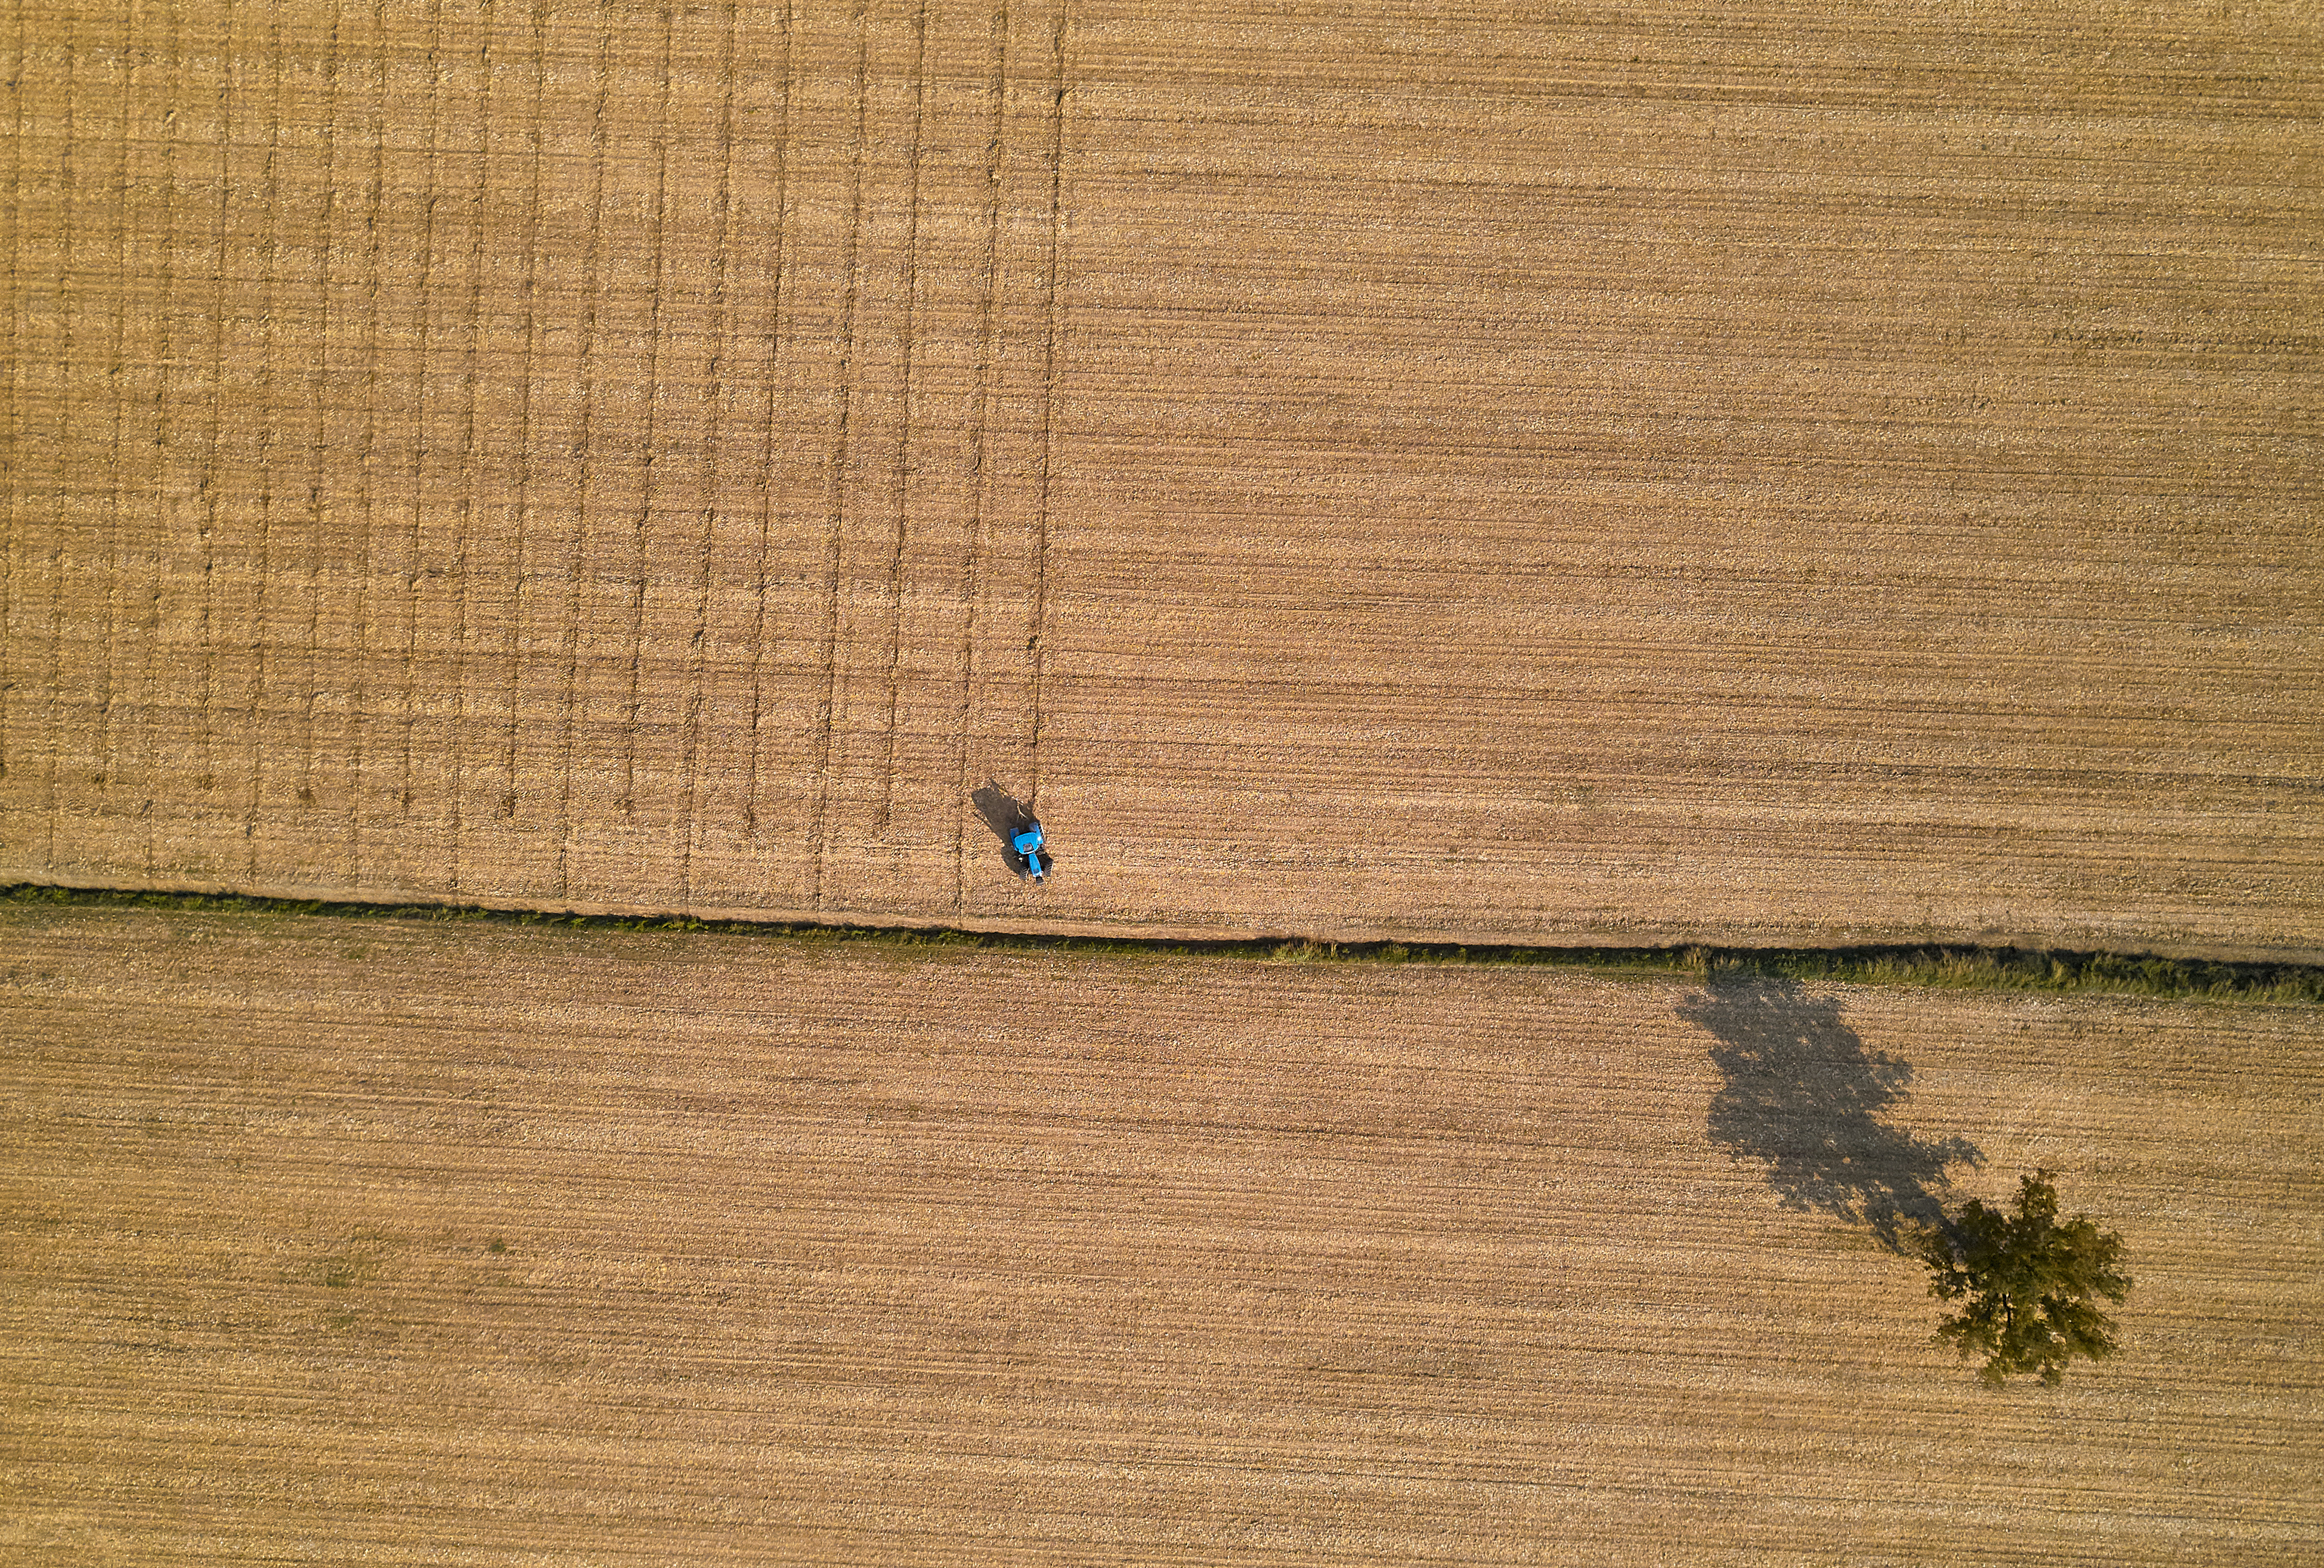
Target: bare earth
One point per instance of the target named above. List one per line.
(1742, 474)
(1747, 474)
(342, 1241)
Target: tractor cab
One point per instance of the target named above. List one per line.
(1027, 842)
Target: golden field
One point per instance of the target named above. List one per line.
(1488, 474)
(1757, 476)
(335, 1240)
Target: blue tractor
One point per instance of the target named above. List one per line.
(1027, 844)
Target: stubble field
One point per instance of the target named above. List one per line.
(333, 1241)
(1359, 470)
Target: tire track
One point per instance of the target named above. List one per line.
(721, 317)
(570, 639)
(419, 465)
(647, 484)
(979, 423)
(123, 222)
(165, 357)
(270, 177)
(766, 444)
(1036, 640)
(321, 386)
(838, 479)
(514, 642)
(10, 470)
(904, 426)
(457, 788)
(366, 504)
(50, 724)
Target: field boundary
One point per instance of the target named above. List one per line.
(1949, 966)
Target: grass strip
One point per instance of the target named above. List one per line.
(1955, 967)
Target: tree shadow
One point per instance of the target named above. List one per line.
(1804, 1095)
(1007, 816)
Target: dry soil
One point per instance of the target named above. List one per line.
(327, 1241)
(1755, 475)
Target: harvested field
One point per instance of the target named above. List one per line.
(1752, 476)
(357, 1241)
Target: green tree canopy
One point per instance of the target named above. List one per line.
(2029, 1280)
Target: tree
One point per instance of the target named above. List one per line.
(2029, 1280)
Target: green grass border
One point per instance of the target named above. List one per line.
(1958, 967)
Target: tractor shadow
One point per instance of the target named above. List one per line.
(1803, 1094)
(1007, 816)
